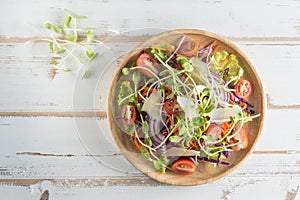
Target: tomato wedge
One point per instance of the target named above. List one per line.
(243, 88)
(148, 62)
(184, 166)
(189, 48)
(128, 114)
(242, 138)
(214, 130)
(172, 107)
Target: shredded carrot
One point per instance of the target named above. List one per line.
(137, 143)
(194, 145)
(215, 48)
(226, 127)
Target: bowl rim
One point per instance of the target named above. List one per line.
(228, 43)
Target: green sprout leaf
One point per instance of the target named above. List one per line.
(89, 35)
(145, 127)
(198, 121)
(51, 46)
(71, 37)
(159, 166)
(175, 139)
(59, 51)
(145, 153)
(58, 30)
(148, 141)
(53, 61)
(125, 70)
(66, 70)
(67, 21)
(84, 74)
(49, 26)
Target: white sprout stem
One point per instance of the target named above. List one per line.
(180, 43)
(143, 144)
(148, 70)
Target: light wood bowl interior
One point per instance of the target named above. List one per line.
(208, 173)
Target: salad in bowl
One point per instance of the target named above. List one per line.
(186, 107)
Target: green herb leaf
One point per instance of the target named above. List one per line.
(89, 35)
(89, 53)
(51, 46)
(175, 139)
(69, 12)
(125, 70)
(84, 74)
(198, 121)
(71, 38)
(49, 26)
(81, 17)
(139, 107)
(66, 70)
(145, 127)
(209, 108)
(182, 130)
(136, 77)
(57, 29)
(53, 61)
(59, 51)
(68, 21)
(93, 57)
(148, 141)
(158, 165)
(145, 153)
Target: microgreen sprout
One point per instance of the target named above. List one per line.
(69, 44)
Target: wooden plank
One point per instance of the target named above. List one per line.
(40, 165)
(46, 146)
(276, 188)
(65, 132)
(281, 18)
(24, 72)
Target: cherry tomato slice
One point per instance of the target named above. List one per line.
(243, 88)
(215, 131)
(183, 167)
(189, 48)
(242, 138)
(172, 107)
(128, 114)
(147, 61)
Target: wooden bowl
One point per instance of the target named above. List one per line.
(208, 173)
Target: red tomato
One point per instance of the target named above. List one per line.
(128, 114)
(243, 88)
(172, 107)
(242, 138)
(215, 131)
(189, 48)
(183, 167)
(147, 61)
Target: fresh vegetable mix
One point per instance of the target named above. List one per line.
(185, 104)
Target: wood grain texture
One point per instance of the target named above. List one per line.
(47, 146)
(276, 188)
(27, 67)
(281, 18)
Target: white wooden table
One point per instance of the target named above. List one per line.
(40, 149)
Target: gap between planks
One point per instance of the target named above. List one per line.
(84, 182)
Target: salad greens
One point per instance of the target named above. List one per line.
(188, 108)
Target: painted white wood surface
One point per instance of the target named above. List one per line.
(46, 153)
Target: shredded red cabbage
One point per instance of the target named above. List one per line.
(215, 161)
